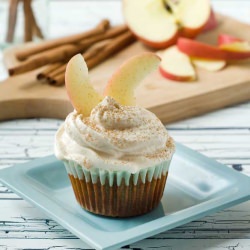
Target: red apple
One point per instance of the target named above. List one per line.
(176, 65)
(211, 23)
(159, 23)
(201, 50)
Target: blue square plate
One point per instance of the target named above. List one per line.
(196, 186)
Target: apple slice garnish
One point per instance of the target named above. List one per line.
(122, 84)
(210, 65)
(202, 50)
(159, 23)
(176, 65)
(81, 93)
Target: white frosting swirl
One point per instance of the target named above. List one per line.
(115, 138)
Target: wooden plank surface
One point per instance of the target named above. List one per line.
(169, 100)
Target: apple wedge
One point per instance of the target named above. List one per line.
(230, 43)
(81, 93)
(224, 39)
(159, 23)
(201, 50)
(122, 84)
(209, 65)
(176, 65)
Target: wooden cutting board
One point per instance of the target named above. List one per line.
(23, 96)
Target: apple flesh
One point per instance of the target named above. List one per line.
(176, 65)
(201, 50)
(210, 65)
(159, 23)
(122, 84)
(81, 93)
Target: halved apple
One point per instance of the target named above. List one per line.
(206, 51)
(210, 65)
(176, 65)
(82, 94)
(122, 84)
(159, 23)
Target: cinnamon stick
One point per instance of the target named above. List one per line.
(114, 46)
(27, 20)
(12, 16)
(54, 77)
(63, 52)
(99, 29)
(56, 72)
(49, 69)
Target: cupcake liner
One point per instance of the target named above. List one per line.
(118, 194)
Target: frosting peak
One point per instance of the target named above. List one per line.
(114, 137)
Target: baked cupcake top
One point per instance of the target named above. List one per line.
(114, 137)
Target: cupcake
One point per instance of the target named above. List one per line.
(117, 157)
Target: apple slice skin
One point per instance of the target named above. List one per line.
(81, 93)
(176, 66)
(230, 43)
(227, 39)
(127, 77)
(202, 50)
(176, 78)
(158, 45)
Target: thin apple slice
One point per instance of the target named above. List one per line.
(231, 43)
(122, 84)
(210, 65)
(224, 39)
(176, 65)
(81, 93)
(202, 50)
(236, 47)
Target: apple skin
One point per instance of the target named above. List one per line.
(227, 39)
(174, 77)
(176, 65)
(201, 50)
(158, 45)
(212, 22)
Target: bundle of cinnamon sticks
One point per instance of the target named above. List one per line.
(31, 28)
(96, 45)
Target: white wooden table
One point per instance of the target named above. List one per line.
(223, 135)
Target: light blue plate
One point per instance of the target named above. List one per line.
(196, 186)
